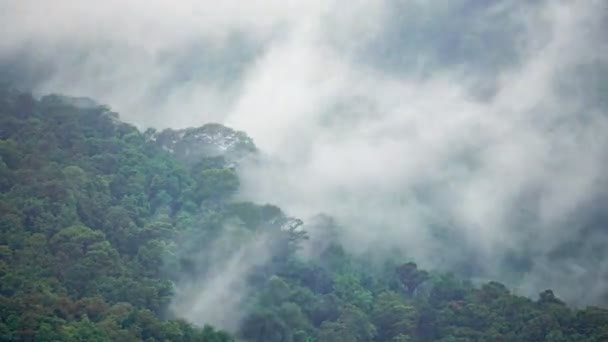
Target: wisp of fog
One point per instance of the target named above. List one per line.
(472, 135)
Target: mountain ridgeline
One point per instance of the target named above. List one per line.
(112, 234)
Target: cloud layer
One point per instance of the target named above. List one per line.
(466, 133)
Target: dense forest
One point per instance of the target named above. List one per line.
(101, 222)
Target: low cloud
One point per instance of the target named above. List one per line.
(218, 294)
(470, 135)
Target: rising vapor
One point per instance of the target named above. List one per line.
(464, 133)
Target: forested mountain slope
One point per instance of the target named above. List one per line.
(101, 224)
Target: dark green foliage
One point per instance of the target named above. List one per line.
(98, 221)
(411, 277)
(87, 221)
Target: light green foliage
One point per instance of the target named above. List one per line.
(348, 287)
(215, 184)
(394, 318)
(336, 332)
